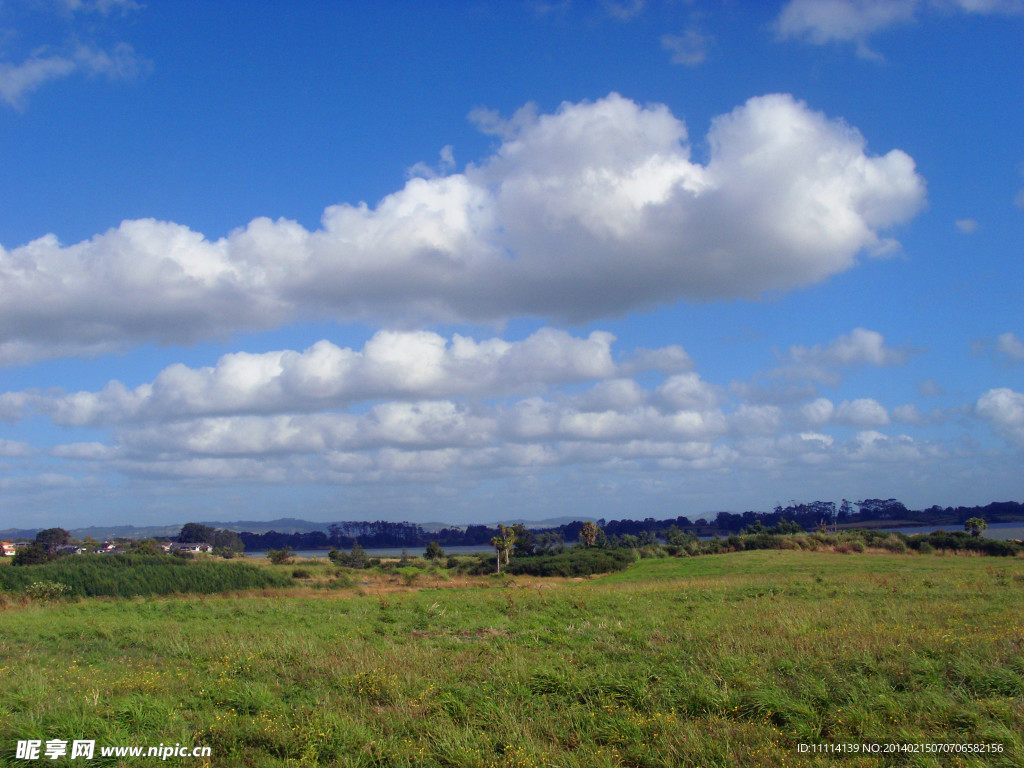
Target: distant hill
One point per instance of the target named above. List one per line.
(281, 525)
(551, 522)
(10, 534)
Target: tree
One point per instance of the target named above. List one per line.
(503, 544)
(433, 551)
(227, 543)
(354, 559)
(526, 544)
(677, 537)
(196, 533)
(549, 540)
(647, 538)
(147, 547)
(280, 556)
(51, 538)
(974, 526)
(589, 533)
(845, 511)
(34, 554)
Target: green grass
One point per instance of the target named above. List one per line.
(726, 660)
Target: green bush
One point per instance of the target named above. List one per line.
(575, 561)
(280, 556)
(47, 590)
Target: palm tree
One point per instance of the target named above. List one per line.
(503, 544)
(975, 526)
(589, 533)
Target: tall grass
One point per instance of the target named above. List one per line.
(135, 575)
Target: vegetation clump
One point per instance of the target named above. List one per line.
(135, 575)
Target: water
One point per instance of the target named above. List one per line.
(385, 551)
(998, 531)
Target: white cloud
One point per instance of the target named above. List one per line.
(77, 55)
(670, 359)
(18, 80)
(535, 419)
(623, 10)
(756, 420)
(1003, 408)
(823, 21)
(862, 413)
(818, 412)
(823, 363)
(873, 447)
(1012, 348)
(908, 413)
(11, 449)
(817, 437)
(855, 21)
(591, 211)
(103, 7)
(612, 395)
(392, 364)
(84, 451)
(689, 392)
(429, 424)
(613, 428)
(689, 48)
(967, 226)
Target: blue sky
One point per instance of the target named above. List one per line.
(457, 262)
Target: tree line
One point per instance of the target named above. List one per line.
(807, 516)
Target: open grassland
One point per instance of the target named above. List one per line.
(724, 660)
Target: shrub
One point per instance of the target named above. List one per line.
(893, 543)
(300, 573)
(576, 561)
(280, 556)
(47, 590)
(34, 554)
(433, 551)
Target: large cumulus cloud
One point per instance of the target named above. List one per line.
(593, 210)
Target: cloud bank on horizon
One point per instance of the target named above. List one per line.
(600, 312)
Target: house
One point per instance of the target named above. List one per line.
(192, 547)
(9, 549)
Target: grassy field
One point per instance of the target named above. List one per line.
(725, 660)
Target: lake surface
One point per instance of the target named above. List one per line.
(384, 551)
(999, 531)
